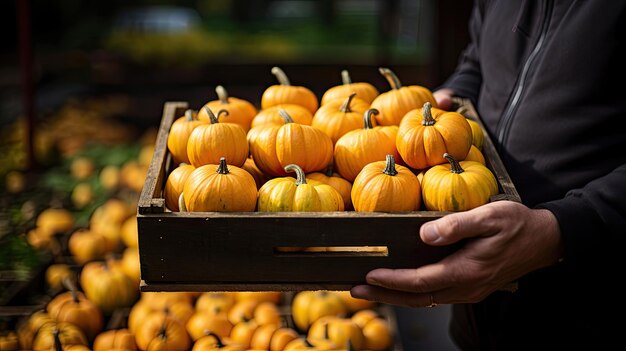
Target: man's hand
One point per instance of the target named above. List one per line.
(444, 98)
(505, 240)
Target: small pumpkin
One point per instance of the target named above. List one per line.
(359, 147)
(108, 286)
(210, 301)
(309, 306)
(174, 307)
(386, 187)
(475, 155)
(8, 341)
(377, 334)
(129, 232)
(266, 312)
(118, 339)
(242, 332)
(342, 331)
(457, 186)
(240, 111)
(427, 133)
(174, 185)
(210, 142)
(342, 185)
(217, 187)
(282, 337)
(273, 148)
(161, 332)
(289, 194)
(338, 117)
(364, 90)
(285, 93)
(85, 245)
(54, 220)
(57, 335)
(259, 177)
(212, 342)
(271, 116)
(394, 104)
(478, 136)
(203, 321)
(28, 328)
(55, 273)
(262, 337)
(179, 135)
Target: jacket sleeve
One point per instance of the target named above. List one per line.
(467, 78)
(592, 219)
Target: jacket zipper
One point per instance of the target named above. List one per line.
(505, 122)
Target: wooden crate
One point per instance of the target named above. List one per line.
(216, 251)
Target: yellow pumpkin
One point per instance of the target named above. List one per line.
(242, 311)
(343, 186)
(212, 342)
(170, 305)
(282, 337)
(118, 339)
(210, 301)
(457, 186)
(175, 184)
(203, 321)
(289, 194)
(266, 312)
(478, 136)
(210, 142)
(73, 307)
(285, 93)
(275, 147)
(262, 337)
(8, 341)
(108, 286)
(377, 334)
(342, 331)
(338, 117)
(364, 90)
(425, 134)
(179, 135)
(129, 232)
(359, 147)
(309, 306)
(386, 187)
(259, 177)
(28, 328)
(161, 332)
(55, 273)
(51, 334)
(217, 187)
(270, 116)
(242, 332)
(240, 111)
(86, 245)
(475, 155)
(55, 220)
(394, 104)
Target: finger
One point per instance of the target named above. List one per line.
(394, 297)
(427, 278)
(444, 98)
(456, 226)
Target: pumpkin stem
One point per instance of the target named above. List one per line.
(300, 176)
(57, 340)
(427, 114)
(391, 77)
(70, 284)
(330, 171)
(367, 118)
(285, 116)
(223, 167)
(345, 107)
(390, 166)
(455, 166)
(189, 115)
(345, 77)
(163, 331)
(308, 344)
(281, 76)
(218, 341)
(222, 94)
(181, 203)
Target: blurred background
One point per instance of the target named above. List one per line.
(87, 78)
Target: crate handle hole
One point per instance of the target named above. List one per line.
(326, 251)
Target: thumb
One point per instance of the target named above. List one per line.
(452, 228)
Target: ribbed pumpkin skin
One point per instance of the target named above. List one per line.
(365, 91)
(174, 185)
(259, 177)
(422, 146)
(336, 118)
(179, 135)
(478, 137)
(120, 339)
(359, 147)
(161, 332)
(343, 186)
(288, 94)
(288, 194)
(207, 190)
(374, 190)
(395, 103)
(80, 312)
(271, 117)
(443, 190)
(240, 111)
(475, 155)
(208, 143)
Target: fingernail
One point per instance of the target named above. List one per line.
(430, 234)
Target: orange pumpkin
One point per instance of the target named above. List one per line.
(425, 134)
(55, 273)
(118, 339)
(365, 91)
(259, 177)
(394, 104)
(210, 301)
(377, 334)
(359, 147)
(267, 312)
(174, 307)
(338, 117)
(179, 135)
(56, 335)
(240, 111)
(386, 187)
(161, 332)
(204, 321)
(28, 328)
(285, 93)
(475, 155)
(262, 337)
(342, 331)
(282, 337)
(175, 184)
(270, 116)
(86, 245)
(309, 306)
(242, 332)
(108, 286)
(217, 187)
(343, 186)
(289, 194)
(273, 148)
(210, 142)
(129, 232)
(73, 307)
(8, 341)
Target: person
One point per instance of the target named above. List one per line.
(546, 77)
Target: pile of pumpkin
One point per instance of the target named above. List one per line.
(361, 150)
(319, 320)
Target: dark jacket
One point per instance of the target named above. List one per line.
(548, 78)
